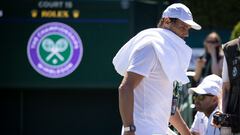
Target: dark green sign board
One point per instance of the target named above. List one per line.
(102, 26)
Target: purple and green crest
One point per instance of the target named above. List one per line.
(55, 50)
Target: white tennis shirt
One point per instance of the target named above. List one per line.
(153, 96)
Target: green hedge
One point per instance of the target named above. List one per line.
(236, 31)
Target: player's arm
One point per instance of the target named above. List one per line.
(177, 121)
(126, 97)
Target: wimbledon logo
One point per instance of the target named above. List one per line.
(54, 50)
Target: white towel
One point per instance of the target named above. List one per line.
(172, 52)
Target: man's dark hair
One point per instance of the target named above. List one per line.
(160, 23)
